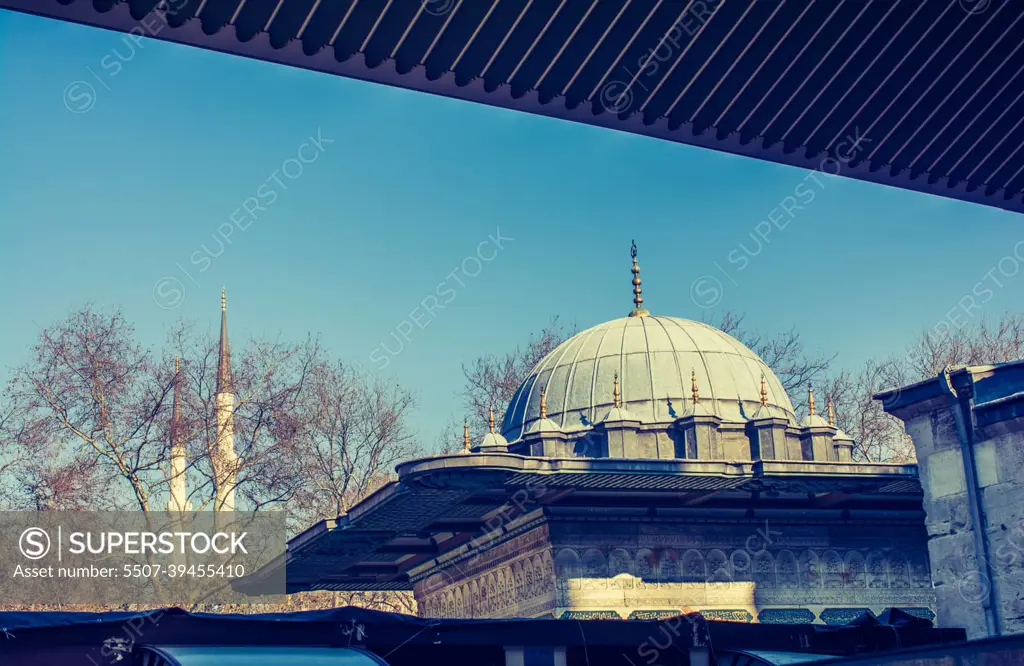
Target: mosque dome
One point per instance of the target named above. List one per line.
(654, 357)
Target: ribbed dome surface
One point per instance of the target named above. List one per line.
(654, 357)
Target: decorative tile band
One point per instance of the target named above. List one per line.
(590, 615)
(739, 615)
(839, 616)
(654, 614)
(926, 613)
(785, 616)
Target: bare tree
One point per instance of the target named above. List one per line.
(880, 437)
(90, 393)
(783, 353)
(86, 423)
(88, 418)
(985, 343)
(353, 431)
(491, 380)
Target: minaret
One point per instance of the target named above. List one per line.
(224, 456)
(178, 490)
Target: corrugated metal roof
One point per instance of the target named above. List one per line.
(926, 96)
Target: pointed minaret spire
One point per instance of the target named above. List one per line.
(693, 386)
(831, 412)
(764, 393)
(224, 356)
(466, 443)
(638, 300)
(225, 458)
(616, 392)
(810, 399)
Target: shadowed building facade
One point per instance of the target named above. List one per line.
(647, 465)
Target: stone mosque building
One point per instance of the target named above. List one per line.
(646, 466)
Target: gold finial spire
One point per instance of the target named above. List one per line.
(465, 438)
(693, 386)
(764, 393)
(638, 300)
(810, 398)
(490, 420)
(617, 392)
(543, 404)
(223, 299)
(831, 412)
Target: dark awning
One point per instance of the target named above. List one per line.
(926, 96)
(257, 656)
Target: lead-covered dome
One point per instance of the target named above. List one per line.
(654, 357)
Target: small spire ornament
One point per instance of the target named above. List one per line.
(465, 438)
(693, 386)
(831, 412)
(490, 420)
(810, 398)
(617, 392)
(764, 392)
(638, 300)
(543, 404)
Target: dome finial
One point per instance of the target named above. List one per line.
(490, 421)
(617, 392)
(638, 300)
(465, 438)
(764, 392)
(543, 404)
(810, 398)
(831, 412)
(693, 386)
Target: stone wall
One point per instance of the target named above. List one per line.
(968, 431)
(757, 571)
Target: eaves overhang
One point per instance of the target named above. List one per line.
(925, 96)
(444, 505)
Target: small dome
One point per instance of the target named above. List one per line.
(493, 439)
(842, 436)
(654, 357)
(618, 414)
(542, 425)
(813, 420)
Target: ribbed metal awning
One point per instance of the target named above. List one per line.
(923, 95)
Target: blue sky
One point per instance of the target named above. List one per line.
(113, 193)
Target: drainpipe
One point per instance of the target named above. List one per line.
(960, 404)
